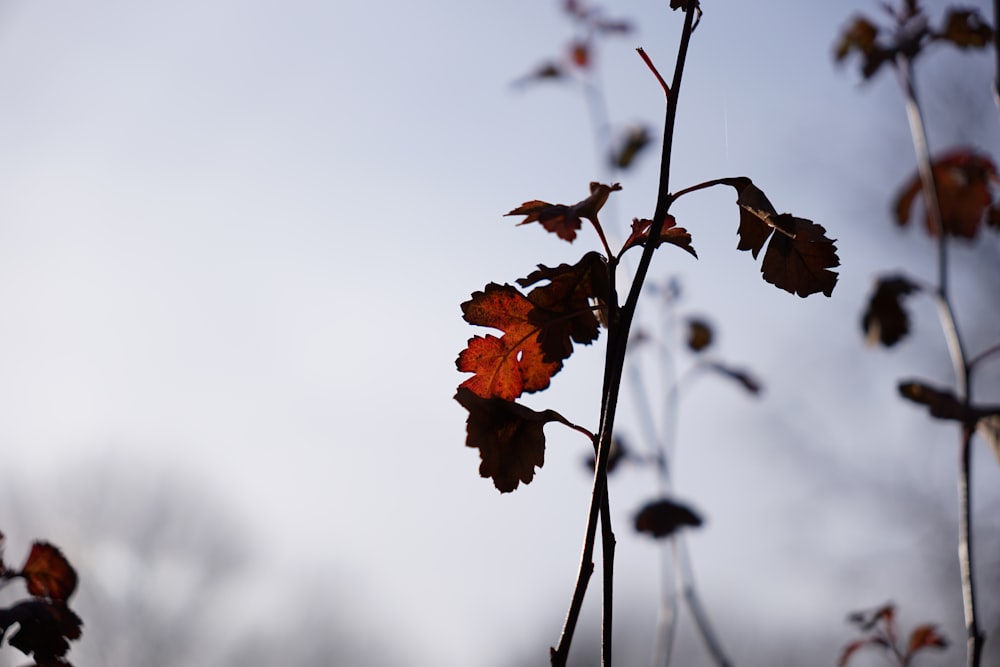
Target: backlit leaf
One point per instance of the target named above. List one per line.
(924, 636)
(48, 574)
(663, 517)
(562, 220)
(669, 233)
(799, 256)
(885, 320)
(509, 437)
(963, 179)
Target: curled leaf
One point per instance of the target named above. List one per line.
(663, 517)
(799, 256)
(885, 320)
(509, 437)
(48, 574)
(963, 178)
(669, 233)
(562, 220)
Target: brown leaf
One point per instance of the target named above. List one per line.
(966, 29)
(48, 574)
(636, 138)
(44, 630)
(699, 334)
(924, 636)
(663, 517)
(509, 437)
(669, 233)
(884, 320)
(564, 221)
(963, 178)
(619, 453)
(942, 403)
(861, 36)
(579, 54)
(799, 256)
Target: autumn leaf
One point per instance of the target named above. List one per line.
(799, 256)
(699, 334)
(635, 139)
(504, 367)
(963, 178)
(861, 36)
(48, 574)
(924, 636)
(509, 437)
(43, 630)
(966, 29)
(884, 320)
(663, 517)
(669, 233)
(539, 329)
(562, 220)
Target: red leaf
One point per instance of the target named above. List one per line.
(963, 179)
(884, 320)
(669, 233)
(562, 220)
(48, 574)
(663, 517)
(924, 636)
(509, 437)
(799, 257)
(579, 53)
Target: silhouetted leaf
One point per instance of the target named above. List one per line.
(44, 629)
(619, 452)
(545, 72)
(861, 36)
(509, 437)
(884, 320)
(942, 403)
(799, 256)
(669, 233)
(699, 335)
(966, 29)
(963, 179)
(629, 146)
(663, 517)
(48, 574)
(562, 220)
(744, 378)
(922, 637)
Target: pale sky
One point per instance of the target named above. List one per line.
(234, 237)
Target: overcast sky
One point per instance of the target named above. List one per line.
(234, 237)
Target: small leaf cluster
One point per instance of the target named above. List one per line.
(44, 622)
(878, 630)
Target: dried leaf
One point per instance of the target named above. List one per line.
(966, 29)
(509, 437)
(924, 636)
(562, 220)
(699, 334)
(48, 574)
(663, 517)
(669, 233)
(44, 630)
(884, 320)
(629, 146)
(799, 256)
(963, 178)
(861, 36)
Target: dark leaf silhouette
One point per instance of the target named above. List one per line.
(629, 146)
(745, 379)
(699, 334)
(885, 320)
(861, 36)
(942, 403)
(509, 437)
(44, 629)
(48, 574)
(544, 72)
(963, 178)
(563, 310)
(922, 637)
(669, 233)
(664, 517)
(966, 29)
(799, 256)
(562, 220)
(619, 453)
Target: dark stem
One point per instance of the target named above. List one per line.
(618, 330)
